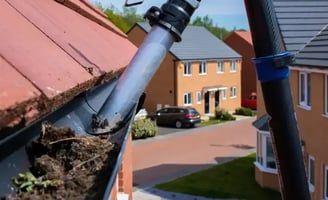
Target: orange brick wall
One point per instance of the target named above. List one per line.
(196, 82)
(125, 174)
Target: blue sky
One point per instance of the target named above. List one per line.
(225, 13)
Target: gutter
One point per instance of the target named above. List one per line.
(76, 114)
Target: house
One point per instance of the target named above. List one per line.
(241, 42)
(53, 52)
(303, 27)
(200, 71)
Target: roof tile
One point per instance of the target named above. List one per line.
(46, 51)
(246, 35)
(21, 89)
(36, 56)
(88, 43)
(198, 44)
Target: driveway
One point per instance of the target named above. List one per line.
(164, 130)
(166, 157)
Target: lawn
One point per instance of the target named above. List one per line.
(212, 121)
(234, 179)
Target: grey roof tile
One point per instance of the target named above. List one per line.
(198, 44)
(300, 20)
(315, 53)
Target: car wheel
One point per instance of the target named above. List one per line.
(178, 124)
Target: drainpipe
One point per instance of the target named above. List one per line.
(272, 61)
(167, 24)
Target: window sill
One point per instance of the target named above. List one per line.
(187, 75)
(311, 187)
(220, 72)
(233, 97)
(325, 116)
(187, 104)
(233, 71)
(202, 74)
(264, 169)
(224, 98)
(199, 103)
(304, 107)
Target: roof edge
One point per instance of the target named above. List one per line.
(95, 17)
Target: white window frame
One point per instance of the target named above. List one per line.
(261, 148)
(233, 66)
(311, 185)
(220, 67)
(306, 102)
(187, 99)
(233, 92)
(202, 68)
(187, 69)
(198, 97)
(325, 183)
(326, 95)
(224, 94)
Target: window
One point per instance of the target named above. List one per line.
(187, 99)
(202, 68)
(265, 159)
(326, 95)
(233, 92)
(224, 94)
(198, 98)
(326, 183)
(233, 66)
(311, 173)
(220, 68)
(187, 69)
(305, 90)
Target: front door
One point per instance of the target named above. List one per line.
(207, 103)
(217, 99)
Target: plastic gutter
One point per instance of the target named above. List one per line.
(76, 114)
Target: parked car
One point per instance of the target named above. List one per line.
(250, 102)
(178, 116)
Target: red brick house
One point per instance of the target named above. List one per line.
(241, 42)
(200, 71)
(55, 53)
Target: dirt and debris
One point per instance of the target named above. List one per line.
(66, 166)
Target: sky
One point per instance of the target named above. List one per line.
(225, 13)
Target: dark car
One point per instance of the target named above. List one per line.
(178, 116)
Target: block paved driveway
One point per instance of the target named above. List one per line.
(167, 157)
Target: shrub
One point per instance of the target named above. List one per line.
(223, 114)
(143, 128)
(244, 111)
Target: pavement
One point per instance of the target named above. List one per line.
(167, 157)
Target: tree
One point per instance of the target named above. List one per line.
(207, 22)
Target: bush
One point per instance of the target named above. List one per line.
(244, 111)
(143, 128)
(223, 114)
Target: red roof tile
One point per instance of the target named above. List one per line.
(51, 47)
(91, 12)
(36, 56)
(20, 91)
(246, 35)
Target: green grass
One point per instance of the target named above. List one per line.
(211, 121)
(234, 179)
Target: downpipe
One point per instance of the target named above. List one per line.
(272, 61)
(167, 24)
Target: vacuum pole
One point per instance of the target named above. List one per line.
(272, 62)
(167, 24)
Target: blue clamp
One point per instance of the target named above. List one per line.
(274, 67)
